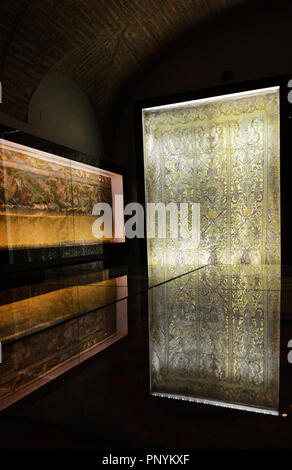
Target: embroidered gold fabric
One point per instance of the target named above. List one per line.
(223, 154)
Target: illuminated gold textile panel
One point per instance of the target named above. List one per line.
(214, 333)
(47, 200)
(214, 337)
(224, 154)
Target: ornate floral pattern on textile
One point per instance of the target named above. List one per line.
(223, 154)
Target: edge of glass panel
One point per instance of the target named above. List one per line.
(217, 403)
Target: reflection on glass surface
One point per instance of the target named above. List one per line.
(46, 330)
(214, 337)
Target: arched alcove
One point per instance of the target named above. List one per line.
(60, 111)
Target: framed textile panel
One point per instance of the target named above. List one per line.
(47, 200)
(223, 153)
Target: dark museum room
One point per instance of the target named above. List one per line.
(145, 228)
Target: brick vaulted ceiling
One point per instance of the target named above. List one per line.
(100, 44)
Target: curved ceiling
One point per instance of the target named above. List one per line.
(100, 44)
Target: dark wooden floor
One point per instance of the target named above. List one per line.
(104, 403)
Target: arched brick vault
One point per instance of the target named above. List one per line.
(100, 44)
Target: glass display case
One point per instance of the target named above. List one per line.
(214, 305)
(48, 200)
(61, 301)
